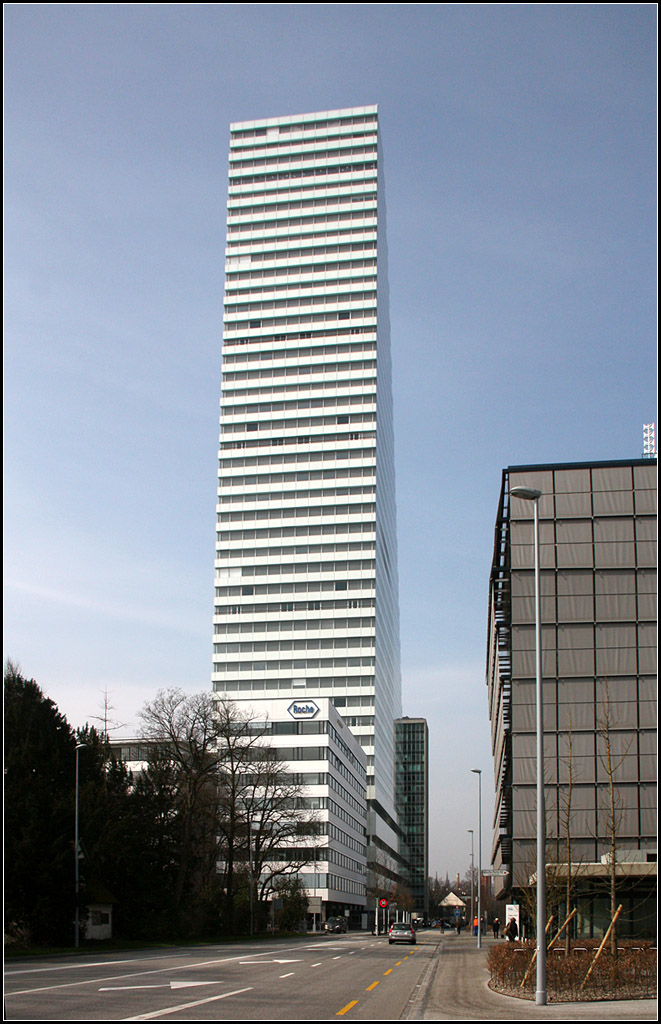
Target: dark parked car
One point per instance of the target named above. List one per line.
(336, 924)
(401, 932)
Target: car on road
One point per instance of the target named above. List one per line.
(401, 932)
(336, 924)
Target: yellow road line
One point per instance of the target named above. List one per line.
(369, 988)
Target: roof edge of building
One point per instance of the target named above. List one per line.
(265, 122)
(639, 461)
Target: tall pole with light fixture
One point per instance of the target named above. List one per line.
(79, 747)
(314, 898)
(472, 876)
(250, 879)
(478, 772)
(533, 495)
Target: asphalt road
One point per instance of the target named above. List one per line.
(357, 976)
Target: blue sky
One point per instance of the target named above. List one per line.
(520, 155)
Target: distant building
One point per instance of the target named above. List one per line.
(453, 910)
(135, 752)
(598, 611)
(412, 803)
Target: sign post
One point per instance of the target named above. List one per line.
(383, 904)
(314, 908)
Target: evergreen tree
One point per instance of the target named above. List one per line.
(39, 813)
(113, 820)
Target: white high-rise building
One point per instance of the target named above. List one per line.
(306, 564)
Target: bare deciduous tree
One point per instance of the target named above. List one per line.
(611, 760)
(571, 869)
(182, 730)
(235, 803)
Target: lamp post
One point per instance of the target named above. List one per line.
(250, 881)
(79, 747)
(472, 875)
(314, 897)
(253, 828)
(533, 495)
(478, 772)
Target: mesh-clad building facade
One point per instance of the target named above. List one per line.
(598, 613)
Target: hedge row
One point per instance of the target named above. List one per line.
(631, 976)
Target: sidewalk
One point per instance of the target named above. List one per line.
(455, 987)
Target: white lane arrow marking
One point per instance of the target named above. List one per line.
(249, 962)
(171, 985)
(129, 988)
(190, 984)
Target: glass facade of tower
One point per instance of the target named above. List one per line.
(306, 561)
(412, 802)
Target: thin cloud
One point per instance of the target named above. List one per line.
(181, 621)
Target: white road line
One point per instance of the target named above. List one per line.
(117, 977)
(82, 965)
(290, 975)
(132, 974)
(77, 966)
(187, 1006)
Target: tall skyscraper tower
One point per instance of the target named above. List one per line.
(412, 803)
(306, 563)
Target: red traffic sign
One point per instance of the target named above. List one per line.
(383, 903)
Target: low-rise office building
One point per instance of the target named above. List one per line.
(320, 783)
(326, 763)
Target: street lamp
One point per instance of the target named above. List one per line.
(530, 494)
(478, 772)
(250, 881)
(253, 827)
(472, 875)
(314, 897)
(78, 748)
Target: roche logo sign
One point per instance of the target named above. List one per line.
(303, 709)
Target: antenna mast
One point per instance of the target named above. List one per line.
(649, 441)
